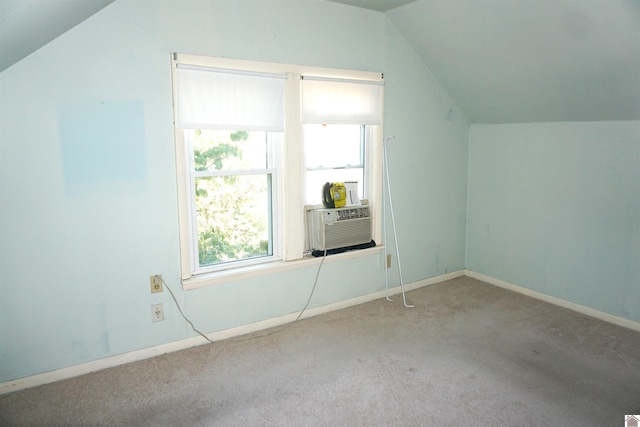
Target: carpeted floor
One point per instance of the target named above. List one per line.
(468, 354)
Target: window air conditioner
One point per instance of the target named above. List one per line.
(339, 228)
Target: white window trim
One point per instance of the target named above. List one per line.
(290, 177)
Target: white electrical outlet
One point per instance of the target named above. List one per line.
(157, 313)
(156, 283)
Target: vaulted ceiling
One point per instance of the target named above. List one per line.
(506, 61)
(501, 61)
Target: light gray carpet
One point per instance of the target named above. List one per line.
(468, 354)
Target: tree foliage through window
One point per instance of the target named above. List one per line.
(232, 204)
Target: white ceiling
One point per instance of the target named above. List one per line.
(501, 61)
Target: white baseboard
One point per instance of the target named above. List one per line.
(620, 321)
(146, 353)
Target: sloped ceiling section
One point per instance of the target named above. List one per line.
(518, 61)
(27, 25)
(530, 60)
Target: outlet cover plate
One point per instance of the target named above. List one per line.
(157, 312)
(155, 282)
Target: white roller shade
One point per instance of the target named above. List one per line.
(341, 101)
(211, 98)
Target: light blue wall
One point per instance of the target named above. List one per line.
(88, 181)
(427, 168)
(555, 207)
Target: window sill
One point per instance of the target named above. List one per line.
(226, 276)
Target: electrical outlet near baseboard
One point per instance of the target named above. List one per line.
(156, 283)
(157, 312)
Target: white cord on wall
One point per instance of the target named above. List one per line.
(185, 317)
(393, 223)
(213, 342)
(315, 282)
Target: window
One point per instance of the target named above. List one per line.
(333, 153)
(254, 142)
(233, 176)
(335, 114)
(232, 123)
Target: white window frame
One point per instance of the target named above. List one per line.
(290, 203)
(272, 171)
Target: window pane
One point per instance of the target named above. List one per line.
(334, 153)
(234, 220)
(228, 150)
(330, 146)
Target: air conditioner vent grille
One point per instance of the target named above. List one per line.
(347, 233)
(339, 228)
